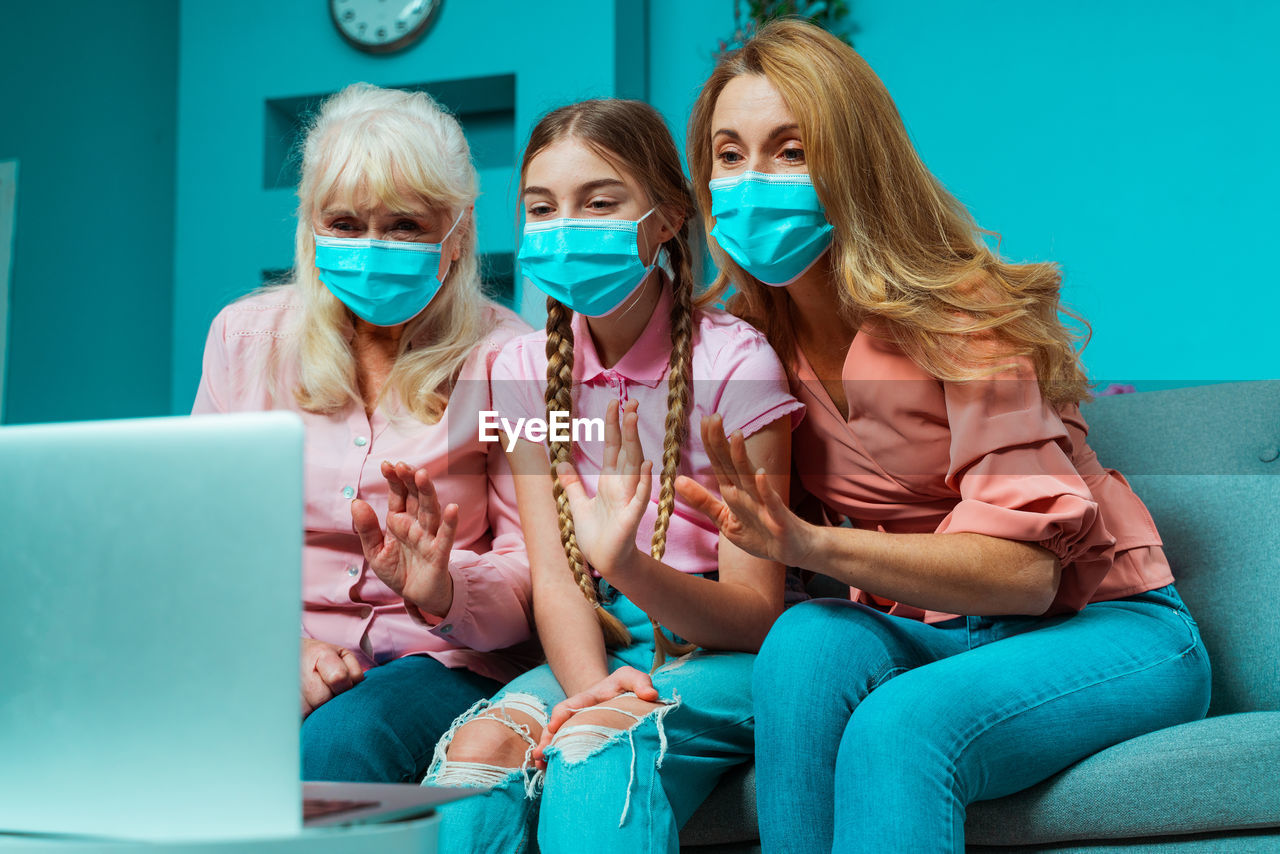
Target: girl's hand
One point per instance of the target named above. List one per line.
(606, 524)
(749, 512)
(414, 560)
(620, 681)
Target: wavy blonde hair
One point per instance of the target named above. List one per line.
(386, 142)
(906, 253)
(632, 136)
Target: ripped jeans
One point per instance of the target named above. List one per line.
(630, 789)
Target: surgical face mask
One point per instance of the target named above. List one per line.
(590, 265)
(773, 226)
(384, 282)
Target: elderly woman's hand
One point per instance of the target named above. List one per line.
(413, 560)
(327, 671)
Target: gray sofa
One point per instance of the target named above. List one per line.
(1204, 460)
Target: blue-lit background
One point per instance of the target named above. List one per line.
(1135, 143)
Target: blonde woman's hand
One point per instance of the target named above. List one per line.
(749, 512)
(621, 681)
(606, 524)
(327, 671)
(412, 558)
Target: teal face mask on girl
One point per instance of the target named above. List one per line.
(384, 282)
(772, 226)
(590, 265)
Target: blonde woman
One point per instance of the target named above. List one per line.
(624, 574)
(383, 343)
(1012, 609)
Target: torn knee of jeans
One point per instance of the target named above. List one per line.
(472, 775)
(450, 772)
(574, 743)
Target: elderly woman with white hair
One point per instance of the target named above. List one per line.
(415, 579)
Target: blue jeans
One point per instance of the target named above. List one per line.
(874, 733)
(384, 729)
(636, 790)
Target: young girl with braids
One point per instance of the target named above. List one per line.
(619, 746)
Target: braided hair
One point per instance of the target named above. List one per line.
(633, 135)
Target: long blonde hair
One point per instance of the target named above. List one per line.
(382, 142)
(906, 252)
(633, 136)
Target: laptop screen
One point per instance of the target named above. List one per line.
(150, 624)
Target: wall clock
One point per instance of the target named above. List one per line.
(382, 26)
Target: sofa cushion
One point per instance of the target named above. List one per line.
(729, 812)
(1209, 775)
(1222, 536)
(1224, 842)
(1228, 428)
(1204, 460)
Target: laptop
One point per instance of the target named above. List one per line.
(149, 625)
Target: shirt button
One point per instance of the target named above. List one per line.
(1269, 455)
(353, 571)
(348, 492)
(446, 628)
(361, 441)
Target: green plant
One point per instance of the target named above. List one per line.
(831, 15)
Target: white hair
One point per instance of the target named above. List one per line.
(368, 141)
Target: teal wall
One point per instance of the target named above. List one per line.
(1133, 143)
(88, 108)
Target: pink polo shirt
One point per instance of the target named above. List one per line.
(990, 456)
(735, 373)
(343, 601)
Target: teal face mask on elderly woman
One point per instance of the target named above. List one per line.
(384, 282)
(773, 226)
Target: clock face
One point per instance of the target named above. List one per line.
(381, 26)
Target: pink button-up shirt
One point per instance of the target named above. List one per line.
(991, 456)
(343, 601)
(735, 373)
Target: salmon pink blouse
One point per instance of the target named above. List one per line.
(991, 456)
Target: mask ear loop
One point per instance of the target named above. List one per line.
(443, 240)
(635, 298)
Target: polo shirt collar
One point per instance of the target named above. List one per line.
(645, 363)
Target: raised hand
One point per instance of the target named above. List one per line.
(327, 671)
(606, 524)
(749, 512)
(413, 557)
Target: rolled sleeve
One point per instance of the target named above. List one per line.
(1011, 464)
